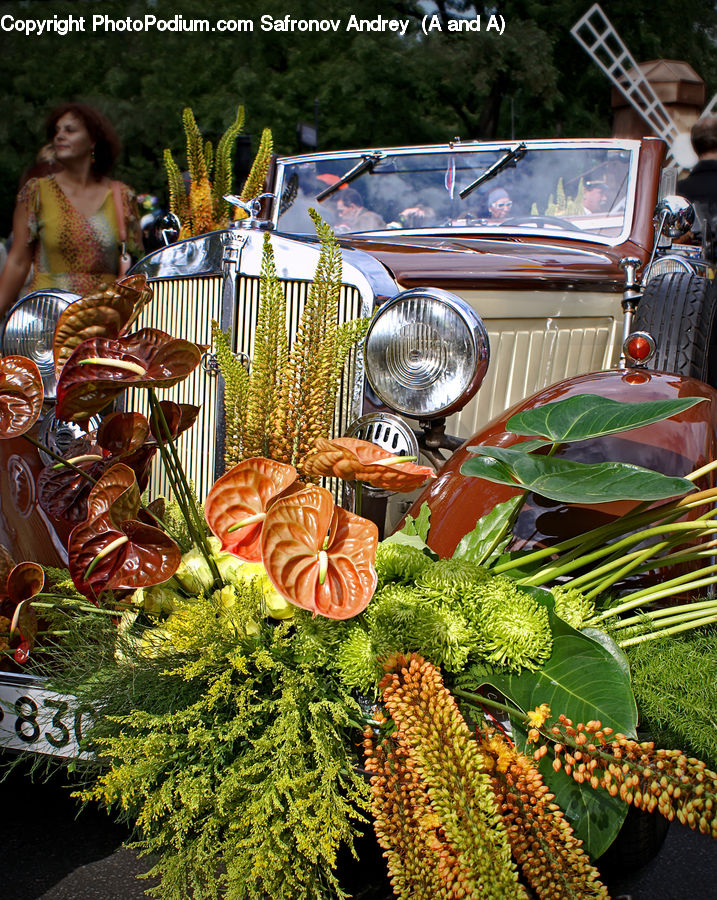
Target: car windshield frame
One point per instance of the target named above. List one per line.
(448, 169)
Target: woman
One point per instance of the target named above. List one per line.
(76, 227)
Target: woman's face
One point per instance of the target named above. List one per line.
(72, 139)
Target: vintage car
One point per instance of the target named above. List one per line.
(484, 265)
(473, 250)
(536, 280)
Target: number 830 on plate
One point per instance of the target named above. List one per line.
(37, 720)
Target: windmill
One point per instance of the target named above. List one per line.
(597, 36)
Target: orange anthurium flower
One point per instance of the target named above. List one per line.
(356, 460)
(21, 395)
(237, 502)
(320, 556)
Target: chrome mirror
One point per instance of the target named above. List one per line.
(169, 227)
(674, 216)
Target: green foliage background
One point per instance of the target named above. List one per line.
(370, 88)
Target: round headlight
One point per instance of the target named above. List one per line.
(29, 330)
(426, 353)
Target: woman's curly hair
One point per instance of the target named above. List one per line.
(107, 144)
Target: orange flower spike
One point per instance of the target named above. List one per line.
(237, 502)
(319, 556)
(356, 460)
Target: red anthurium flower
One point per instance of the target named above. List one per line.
(319, 556)
(23, 583)
(115, 498)
(129, 556)
(100, 369)
(21, 395)
(236, 505)
(105, 314)
(61, 491)
(112, 549)
(355, 460)
(122, 437)
(178, 416)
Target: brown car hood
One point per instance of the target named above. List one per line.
(467, 261)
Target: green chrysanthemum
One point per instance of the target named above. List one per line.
(317, 638)
(399, 562)
(514, 630)
(401, 620)
(357, 663)
(572, 606)
(451, 580)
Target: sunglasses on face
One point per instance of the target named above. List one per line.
(502, 204)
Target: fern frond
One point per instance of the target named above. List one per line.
(269, 359)
(196, 163)
(178, 202)
(236, 387)
(257, 176)
(208, 157)
(223, 167)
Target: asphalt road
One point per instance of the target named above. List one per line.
(50, 851)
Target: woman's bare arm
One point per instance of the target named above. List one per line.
(19, 260)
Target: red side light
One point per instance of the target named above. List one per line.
(639, 347)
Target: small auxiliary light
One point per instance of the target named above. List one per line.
(639, 348)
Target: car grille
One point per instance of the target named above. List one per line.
(185, 307)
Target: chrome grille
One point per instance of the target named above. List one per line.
(185, 307)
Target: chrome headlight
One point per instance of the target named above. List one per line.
(426, 353)
(29, 330)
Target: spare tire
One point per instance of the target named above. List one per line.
(679, 310)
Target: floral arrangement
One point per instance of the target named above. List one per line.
(264, 675)
(199, 204)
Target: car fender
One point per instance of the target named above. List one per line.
(675, 446)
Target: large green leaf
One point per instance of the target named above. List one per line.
(584, 681)
(588, 415)
(491, 533)
(415, 531)
(572, 482)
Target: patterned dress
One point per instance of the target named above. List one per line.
(72, 251)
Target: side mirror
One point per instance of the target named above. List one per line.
(169, 227)
(674, 216)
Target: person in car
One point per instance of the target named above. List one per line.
(499, 205)
(595, 197)
(353, 215)
(76, 227)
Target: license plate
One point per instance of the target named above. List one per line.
(37, 720)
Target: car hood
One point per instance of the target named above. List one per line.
(465, 261)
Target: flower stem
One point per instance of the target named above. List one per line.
(666, 632)
(656, 592)
(543, 576)
(194, 521)
(61, 459)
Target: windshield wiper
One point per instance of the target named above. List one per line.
(367, 164)
(518, 152)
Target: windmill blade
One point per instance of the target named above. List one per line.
(709, 109)
(598, 38)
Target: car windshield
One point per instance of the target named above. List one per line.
(577, 190)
